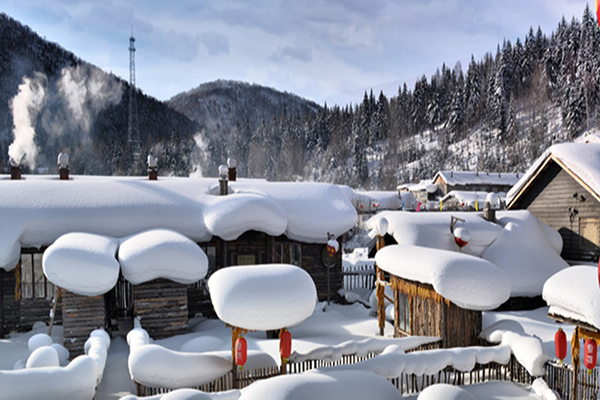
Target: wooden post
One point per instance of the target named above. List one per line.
(235, 334)
(380, 290)
(54, 304)
(575, 362)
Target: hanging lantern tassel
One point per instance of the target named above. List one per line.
(285, 344)
(560, 345)
(590, 354)
(241, 352)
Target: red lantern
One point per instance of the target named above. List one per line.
(590, 354)
(285, 344)
(461, 237)
(241, 351)
(332, 246)
(560, 344)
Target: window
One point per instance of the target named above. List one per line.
(403, 313)
(288, 253)
(34, 284)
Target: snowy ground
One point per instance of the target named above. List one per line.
(329, 325)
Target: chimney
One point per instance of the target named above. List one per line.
(152, 168)
(63, 166)
(231, 169)
(223, 180)
(492, 203)
(15, 169)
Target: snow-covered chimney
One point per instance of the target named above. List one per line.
(152, 168)
(223, 180)
(231, 169)
(15, 169)
(63, 166)
(492, 203)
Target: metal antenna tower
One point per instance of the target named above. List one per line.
(133, 135)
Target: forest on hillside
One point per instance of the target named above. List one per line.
(498, 115)
(82, 111)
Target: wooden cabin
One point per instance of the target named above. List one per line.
(474, 181)
(421, 311)
(257, 224)
(560, 189)
(25, 295)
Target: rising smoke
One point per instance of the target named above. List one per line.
(25, 107)
(69, 105)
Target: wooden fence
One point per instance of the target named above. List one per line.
(560, 378)
(359, 277)
(405, 383)
(513, 371)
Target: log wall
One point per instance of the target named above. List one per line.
(11, 309)
(81, 315)
(162, 306)
(433, 315)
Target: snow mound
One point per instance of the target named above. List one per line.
(348, 385)
(190, 394)
(573, 293)
(76, 381)
(467, 281)
(393, 362)
(82, 263)
(39, 340)
(45, 356)
(263, 297)
(444, 391)
(157, 366)
(162, 253)
(534, 254)
(230, 216)
(528, 350)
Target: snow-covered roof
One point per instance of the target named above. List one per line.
(38, 209)
(453, 178)
(573, 294)
(424, 185)
(467, 281)
(519, 243)
(581, 160)
(472, 199)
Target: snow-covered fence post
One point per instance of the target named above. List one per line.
(380, 231)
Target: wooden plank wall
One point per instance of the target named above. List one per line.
(430, 316)
(11, 309)
(81, 315)
(34, 310)
(162, 306)
(549, 199)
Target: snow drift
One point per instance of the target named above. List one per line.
(263, 297)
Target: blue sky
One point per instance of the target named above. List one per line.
(322, 50)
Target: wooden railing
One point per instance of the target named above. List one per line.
(560, 378)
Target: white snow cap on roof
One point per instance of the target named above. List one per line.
(162, 253)
(453, 178)
(525, 248)
(582, 159)
(573, 293)
(82, 263)
(263, 297)
(39, 209)
(467, 281)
